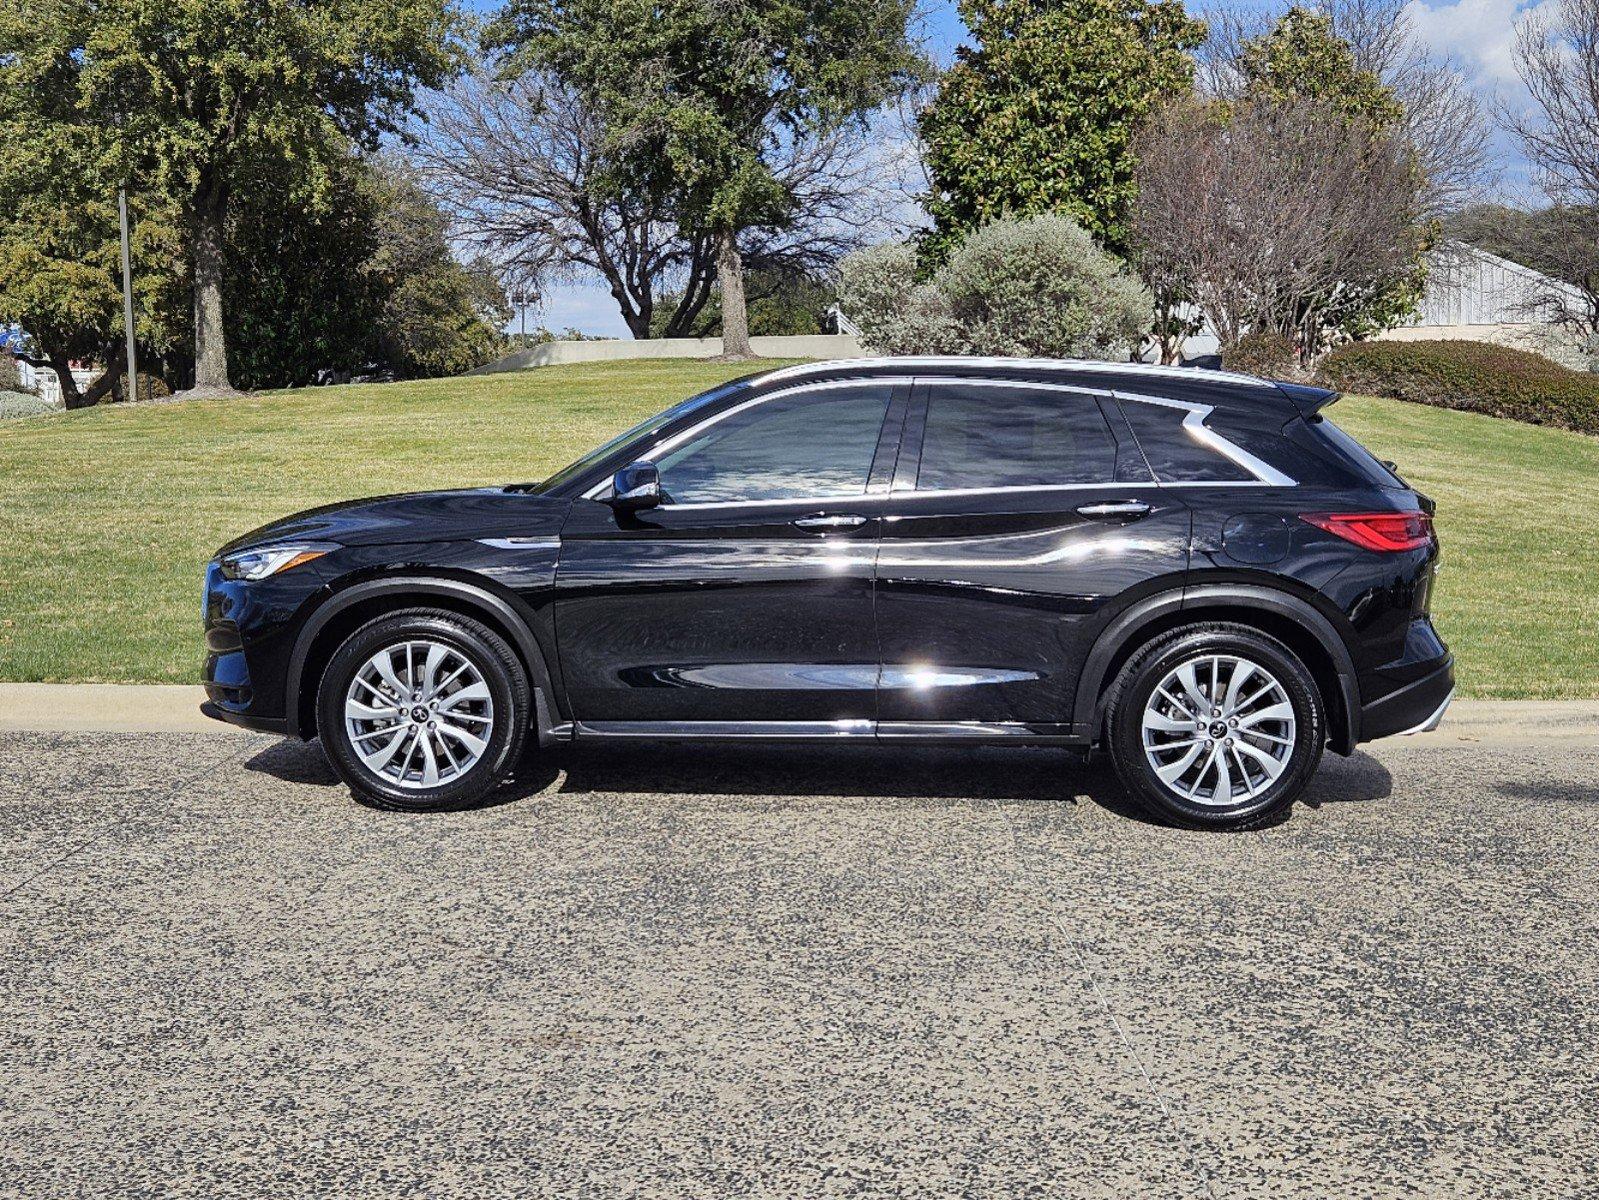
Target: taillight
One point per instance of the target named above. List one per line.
(1386, 531)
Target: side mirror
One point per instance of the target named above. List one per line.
(636, 486)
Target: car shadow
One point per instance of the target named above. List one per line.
(952, 775)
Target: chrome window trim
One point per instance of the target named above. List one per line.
(1265, 475)
(913, 363)
(678, 439)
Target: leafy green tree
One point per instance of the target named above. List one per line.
(699, 96)
(364, 283)
(1040, 115)
(1302, 58)
(440, 316)
(60, 272)
(197, 95)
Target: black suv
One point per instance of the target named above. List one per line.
(1196, 571)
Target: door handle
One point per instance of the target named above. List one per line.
(1115, 508)
(833, 521)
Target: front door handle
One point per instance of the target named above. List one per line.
(1115, 508)
(832, 521)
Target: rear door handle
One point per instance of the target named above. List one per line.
(1115, 508)
(832, 521)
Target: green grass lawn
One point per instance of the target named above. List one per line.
(108, 516)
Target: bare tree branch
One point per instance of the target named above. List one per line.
(1277, 215)
(1444, 124)
(519, 166)
(1557, 56)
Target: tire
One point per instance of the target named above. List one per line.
(437, 757)
(1263, 745)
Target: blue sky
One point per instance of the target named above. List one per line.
(1476, 35)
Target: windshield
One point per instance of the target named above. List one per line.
(640, 433)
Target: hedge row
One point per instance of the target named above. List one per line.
(1472, 376)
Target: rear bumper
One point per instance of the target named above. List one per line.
(1415, 708)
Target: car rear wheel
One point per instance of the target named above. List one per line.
(1215, 726)
(423, 710)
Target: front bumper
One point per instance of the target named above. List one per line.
(277, 725)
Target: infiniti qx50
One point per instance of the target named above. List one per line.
(1196, 573)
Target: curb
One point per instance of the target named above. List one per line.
(105, 708)
(175, 708)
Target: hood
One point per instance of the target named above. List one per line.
(417, 517)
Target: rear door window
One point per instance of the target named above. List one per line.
(1174, 454)
(982, 435)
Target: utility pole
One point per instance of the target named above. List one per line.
(127, 298)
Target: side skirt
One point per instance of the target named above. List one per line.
(1008, 733)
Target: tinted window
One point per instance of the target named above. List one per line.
(1360, 460)
(814, 443)
(1173, 453)
(980, 437)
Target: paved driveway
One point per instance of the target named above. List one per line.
(791, 973)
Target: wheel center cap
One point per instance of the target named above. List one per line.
(419, 714)
(1218, 729)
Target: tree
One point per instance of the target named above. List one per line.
(363, 283)
(699, 98)
(1440, 117)
(440, 316)
(1037, 287)
(1040, 115)
(783, 302)
(519, 165)
(1338, 197)
(60, 273)
(1300, 57)
(1557, 56)
(198, 93)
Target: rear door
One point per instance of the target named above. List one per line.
(1022, 516)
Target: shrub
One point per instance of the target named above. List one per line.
(1265, 353)
(877, 289)
(1472, 376)
(23, 404)
(1034, 287)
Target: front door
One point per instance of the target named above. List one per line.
(1020, 512)
(743, 603)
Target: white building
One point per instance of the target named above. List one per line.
(1476, 296)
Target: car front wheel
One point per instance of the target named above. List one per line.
(1215, 726)
(423, 710)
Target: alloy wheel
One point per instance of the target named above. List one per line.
(1219, 730)
(418, 714)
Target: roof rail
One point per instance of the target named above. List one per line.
(1029, 364)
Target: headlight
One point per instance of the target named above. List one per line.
(269, 560)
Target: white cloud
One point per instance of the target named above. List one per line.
(1478, 34)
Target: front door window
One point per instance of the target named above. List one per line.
(814, 444)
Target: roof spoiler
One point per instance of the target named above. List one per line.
(1308, 400)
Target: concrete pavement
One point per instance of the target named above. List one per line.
(792, 972)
